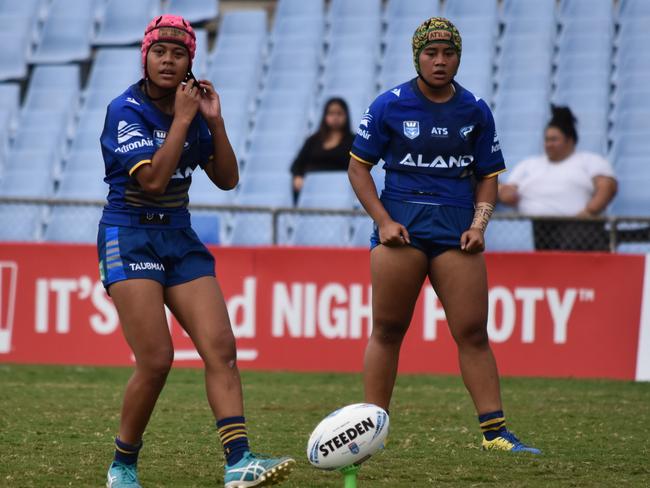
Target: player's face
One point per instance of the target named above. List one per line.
(557, 146)
(439, 64)
(167, 64)
(335, 118)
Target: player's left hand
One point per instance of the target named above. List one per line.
(209, 103)
(472, 241)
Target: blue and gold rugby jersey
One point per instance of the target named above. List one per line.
(134, 130)
(430, 150)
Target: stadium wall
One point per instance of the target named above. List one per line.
(551, 314)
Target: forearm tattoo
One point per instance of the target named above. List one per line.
(482, 213)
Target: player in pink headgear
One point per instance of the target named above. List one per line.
(156, 134)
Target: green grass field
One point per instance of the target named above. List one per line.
(57, 426)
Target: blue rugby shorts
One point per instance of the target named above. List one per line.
(169, 256)
(433, 229)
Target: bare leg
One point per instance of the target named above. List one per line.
(397, 276)
(200, 307)
(142, 315)
(460, 280)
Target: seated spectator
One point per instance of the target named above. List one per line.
(562, 182)
(329, 148)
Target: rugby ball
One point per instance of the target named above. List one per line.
(347, 436)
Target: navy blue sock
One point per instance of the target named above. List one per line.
(234, 438)
(492, 424)
(126, 453)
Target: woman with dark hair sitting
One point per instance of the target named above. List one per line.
(563, 182)
(328, 149)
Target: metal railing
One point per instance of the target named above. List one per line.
(507, 231)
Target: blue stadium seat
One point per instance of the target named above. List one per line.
(280, 197)
(67, 33)
(26, 183)
(200, 63)
(118, 57)
(368, 10)
(293, 122)
(633, 198)
(509, 235)
(252, 228)
(632, 167)
(586, 8)
(33, 160)
(515, 10)
(207, 227)
(38, 140)
(326, 183)
(13, 57)
(85, 161)
(25, 8)
(244, 22)
(575, 63)
(194, 11)
(352, 27)
(422, 9)
(268, 163)
(10, 97)
(20, 223)
(73, 224)
(203, 191)
(300, 8)
(295, 61)
(362, 228)
(258, 188)
(83, 185)
(485, 10)
(286, 80)
(633, 9)
(308, 28)
(124, 21)
(321, 230)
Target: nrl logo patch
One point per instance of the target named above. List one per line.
(411, 128)
(466, 131)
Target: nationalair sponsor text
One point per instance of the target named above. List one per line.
(363, 133)
(438, 161)
(124, 148)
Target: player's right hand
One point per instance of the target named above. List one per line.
(186, 103)
(393, 234)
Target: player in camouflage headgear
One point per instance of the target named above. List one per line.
(435, 30)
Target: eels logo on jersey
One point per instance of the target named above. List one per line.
(159, 137)
(411, 128)
(466, 131)
(126, 131)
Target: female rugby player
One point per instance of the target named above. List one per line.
(442, 158)
(155, 135)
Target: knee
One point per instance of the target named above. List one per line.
(222, 351)
(389, 332)
(156, 365)
(474, 336)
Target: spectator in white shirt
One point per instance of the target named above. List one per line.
(562, 182)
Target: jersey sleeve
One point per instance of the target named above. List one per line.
(372, 136)
(599, 166)
(487, 152)
(127, 137)
(206, 144)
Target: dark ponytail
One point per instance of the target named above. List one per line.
(563, 119)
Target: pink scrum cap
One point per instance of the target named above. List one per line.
(168, 28)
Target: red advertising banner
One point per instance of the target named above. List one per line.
(302, 309)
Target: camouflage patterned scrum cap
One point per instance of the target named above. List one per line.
(435, 29)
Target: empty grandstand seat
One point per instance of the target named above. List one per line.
(260, 188)
(634, 248)
(268, 163)
(321, 230)
(252, 229)
(23, 8)
(368, 10)
(486, 9)
(362, 228)
(67, 33)
(586, 8)
(20, 223)
(633, 9)
(13, 57)
(632, 198)
(514, 10)
(124, 21)
(300, 8)
(307, 28)
(204, 191)
(9, 97)
(509, 235)
(326, 183)
(194, 11)
(207, 226)
(422, 9)
(83, 185)
(26, 183)
(274, 142)
(45, 161)
(244, 22)
(73, 224)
